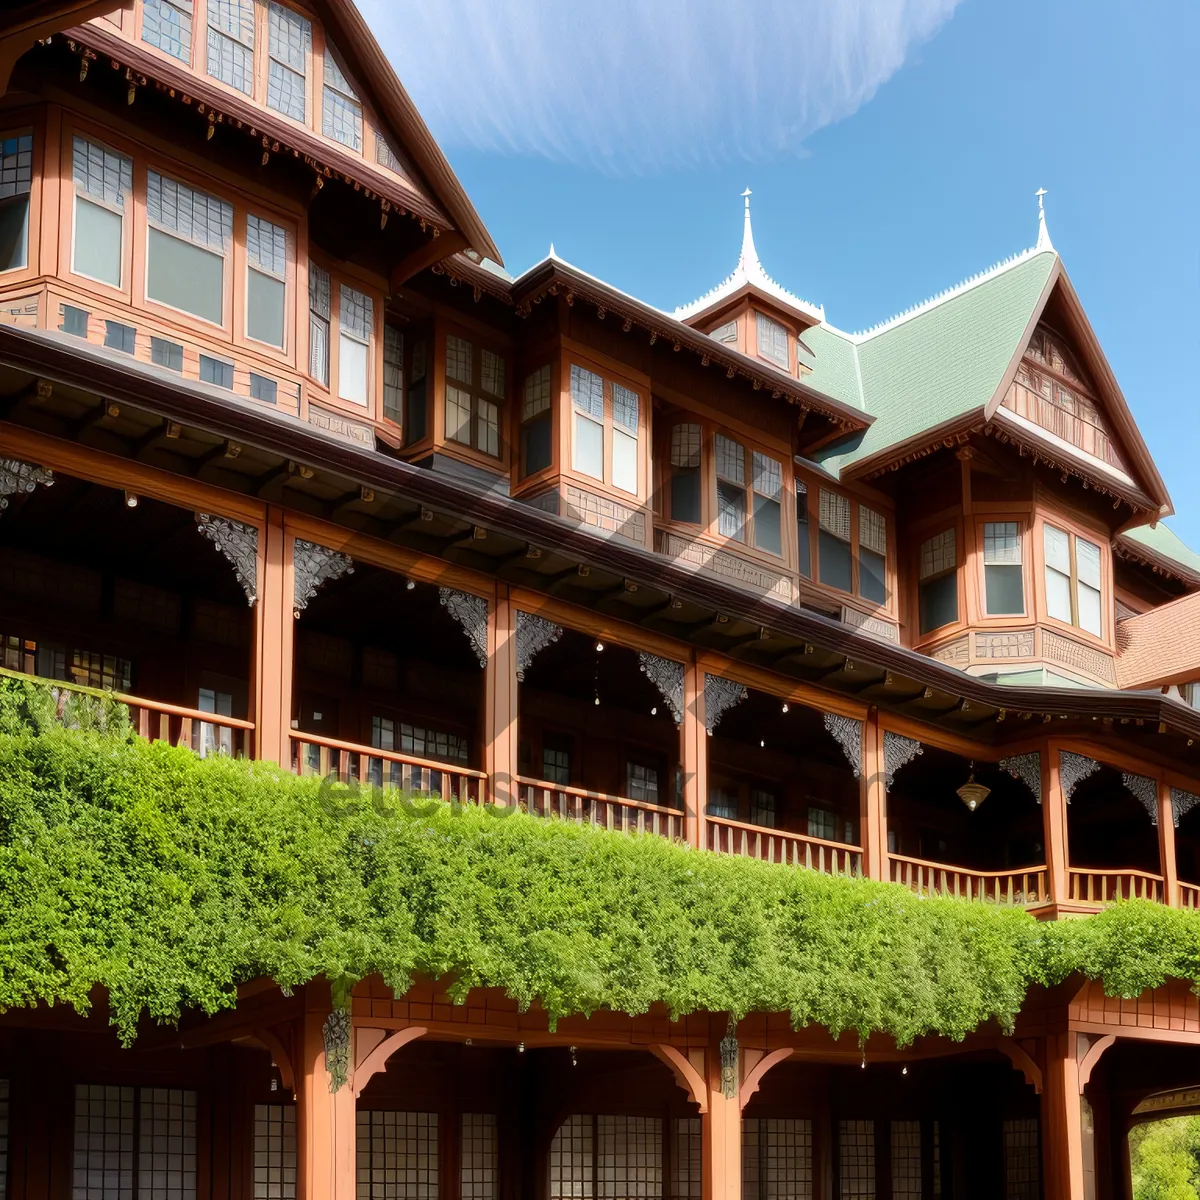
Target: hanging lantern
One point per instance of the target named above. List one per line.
(973, 794)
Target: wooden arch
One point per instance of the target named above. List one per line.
(685, 1073)
(1021, 1061)
(376, 1059)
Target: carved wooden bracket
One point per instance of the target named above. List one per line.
(754, 1078)
(1088, 1062)
(686, 1075)
(1021, 1061)
(534, 634)
(1145, 791)
(720, 695)
(280, 1056)
(847, 732)
(314, 566)
(239, 544)
(1182, 803)
(376, 1059)
(667, 675)
(1028, 769)
(17, 477)
(898, 751)
(471, 612)
(1073, 769)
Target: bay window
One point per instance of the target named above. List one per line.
(475, 389)
(1073, 581)
(768, 504)
(167, 25)
(231, 43)
(319, 316)
(266, 281)
(289, 43)
(687, 440)
(833, 541)
(731, 487)
(355, 322)
(103, 182)
(1003, 572)
(937, 585)
(772, 341)
(587, 400)
(604, 409)
(341, 109)
(625, 439)
(872, 555)
(536, 422)
(16, 184)
(749, 495)
(187, 244)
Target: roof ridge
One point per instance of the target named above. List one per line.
(949, 293)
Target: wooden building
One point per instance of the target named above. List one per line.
(290, 462)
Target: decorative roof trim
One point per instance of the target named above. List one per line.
(1160, 564)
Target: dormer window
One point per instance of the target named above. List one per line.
(289, 43)
(231, 43)
(772, 341)
(727, 333)
(341, 111)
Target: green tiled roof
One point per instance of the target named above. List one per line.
(1165, 542)
(943, 360)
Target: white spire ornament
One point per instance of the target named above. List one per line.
(1043, 242)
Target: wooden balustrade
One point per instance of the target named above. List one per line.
(347, 762)
(1094, 886)
(1026, 886)
(596, 808)
(726, 836)
(1189, 895)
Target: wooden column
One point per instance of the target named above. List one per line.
(872, 794)
(721, 1134)
(274, 641)
(500, 701)
(1168, 863)
(1054, 821)
(695, 755)
(1062, 1121)
(325, 1120)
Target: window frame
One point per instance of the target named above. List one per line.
(70, 208)
(18, 127)
(789, 338)
(521, 378)
(479, 343)
(608, 425)
(1024, 534)
(257, 28)
(924, 533)
(241, 221)
(196, 25)
(268, 58)
(1074, 532)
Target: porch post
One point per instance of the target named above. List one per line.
(500, 702)
(1062, 1121)
(695, 755)
(872, 793)
(721, 1133)
(1166, 845)
(325, 1119)
(1054, 820)
(274, 639)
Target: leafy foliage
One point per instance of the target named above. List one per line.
(1165, 1157)
(167, 879)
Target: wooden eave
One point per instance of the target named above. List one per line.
(764, 299)
(881, 672)
(240, 114)
(554, 277)
(479, 279)
(947, 436)
(1143, 556)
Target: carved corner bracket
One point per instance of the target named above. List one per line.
(315, 566)
(898, 751)
(1145, 791)
(667, 675)
(20, 478)
(471, 612)
(1073, 769)
(1028, 769)
(720, 695)
(534, 634)
(847, 732)
(1182, 803)
(239, 544)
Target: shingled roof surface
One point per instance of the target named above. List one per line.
(1161, 645)
(1165, 542)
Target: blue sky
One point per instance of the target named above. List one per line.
(893, 147)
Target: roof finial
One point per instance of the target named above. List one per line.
(749, 259)
(1043, 242)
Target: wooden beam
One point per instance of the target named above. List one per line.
(424, 257)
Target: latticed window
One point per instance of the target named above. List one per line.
(938, 581)
(687, 440)
(16, 183)
(275, 1152)
(556, 760)
(822, 824)
(167, 25)
(393, 373)
(686, 1159)
(601, 406)
(103, 182)
(834, 540)
(906, 1160)
(18, 653)
(1003, 575)
(92, 669)
(777, 1159)
(319, 315)
(607, 1158)
(537, 451)
(475, 389)
(356, 320)
(231, 43)
(872, 555)
(479, 1170)
(436, 744)
(289, 43)
(727, 333)
(643, 782)
(768, 504)
(763, 808)
(772, 340)
(587, 399)
(803, 535)
(341, 109)
(187, 244)
(625, 438)
(3, 1139)
(397, 1155)
(267, 261)
(572, 1160)
(856, 1160)
(1022, 1160)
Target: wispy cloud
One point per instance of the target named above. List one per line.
(631, 86)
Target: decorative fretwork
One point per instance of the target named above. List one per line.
(18, 478)
(471, 612)
(898, 751)
(1073, 769)
(1182, 803)
(1145, 791)
(534, 634)
(729, 1061)
(720, 695)
(847, 732)
(667, 675)
(336, 1031)
(239, 544)
(1028, 769)
(315, 566)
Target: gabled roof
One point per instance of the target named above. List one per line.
(1160, 646)
(1163, 543)
(749, 276)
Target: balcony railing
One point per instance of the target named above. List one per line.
(347, 762)
(596, 808)
(726, 836)
(1189, 895)
(1087, 886)
(1027, 886)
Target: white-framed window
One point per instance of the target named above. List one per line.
(1074, 586)
(187, 244)
(1003, 571)
(341, 109)
(833, 540)
(320, 314)
(16, 185)
(103, 182)
(937, 586)
(356, 318)
(872, 555)
(289, 45)
(537, 448)
(772, 340)
(625, 439)
(230, 55)
(476, 382)
(587, 401)
(167, 25)
(268, 257)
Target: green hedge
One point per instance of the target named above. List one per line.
(167, 880)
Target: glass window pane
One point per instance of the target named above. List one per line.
(353, 370)
(492, 374)
(168, 25)
(185, 276)
(587, 392)
(393, 373)
(939, 602)
(14, 233)
(1087, 562)
(458, 415)
(104, 174)
(834, 559)
(459, 359)
(872, 575)
(97, 242)
(685, 495)
(685, 445)
(1089, 609)
(1058, 549)
(802, 536)
(535, 445)
(264, 308)
(588, 450)
(625, 461)
(488, 428)
(537, 394)
(938, 554)
(768, 531)
(357, 313)
(772, 340)
(730, 459)
(625, 408)
(1004, 591)
(1001, 542)
(834, 514)
(176, 208)
(731, 510)
(1058, 595)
